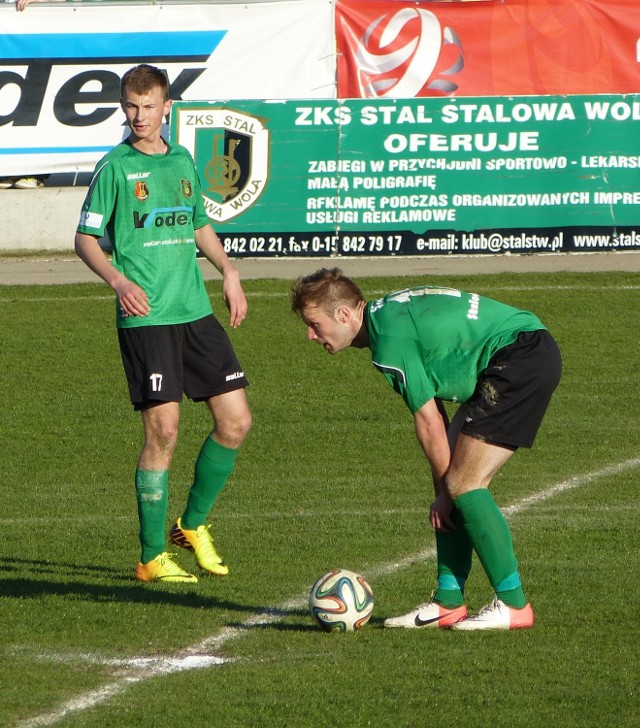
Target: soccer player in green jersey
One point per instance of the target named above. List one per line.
(145, 193)
(502, 366)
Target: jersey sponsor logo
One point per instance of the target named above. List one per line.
(474, 307)
(91, 219)
(187, 188)
(231, 151)
(163, 217)
(142, 191)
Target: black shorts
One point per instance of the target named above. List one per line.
(514, 391)
(162, 362)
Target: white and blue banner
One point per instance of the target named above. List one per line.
(60, 68)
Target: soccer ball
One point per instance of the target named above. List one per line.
(341, 601)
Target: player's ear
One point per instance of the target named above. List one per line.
(343, 314)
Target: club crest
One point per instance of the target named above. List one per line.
(231, 151)
(186, 187)
(142, 191)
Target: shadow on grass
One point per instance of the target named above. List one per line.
(57, 567)
(298, 620)
(66, 581)
(305, 625)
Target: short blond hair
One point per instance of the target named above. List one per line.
(326, 289)
(141, 79)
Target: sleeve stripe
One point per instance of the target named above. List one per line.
(95, 178)
(392, 370)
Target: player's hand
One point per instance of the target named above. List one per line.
(234, 298)
(132, 299)
(440, 513)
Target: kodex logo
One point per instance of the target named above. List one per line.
(73, 75)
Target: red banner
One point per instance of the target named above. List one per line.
(487, 48)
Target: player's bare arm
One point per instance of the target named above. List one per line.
(131, 297)
(22, 4)
(210, 246)
(431, 431)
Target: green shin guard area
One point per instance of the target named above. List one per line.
(152, 494)
(491, 537)
(213, 467)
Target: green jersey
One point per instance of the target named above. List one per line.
(434, 342)
(150, 205)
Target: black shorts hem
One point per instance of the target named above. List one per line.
(513, 445)
(238, 384)
(151, 403)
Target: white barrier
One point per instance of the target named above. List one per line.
(45, 219)
(60, 67)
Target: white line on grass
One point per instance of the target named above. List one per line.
(195, 657)
(285, 294)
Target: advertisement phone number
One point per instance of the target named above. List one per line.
(315, 244)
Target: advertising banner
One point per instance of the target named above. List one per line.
(399, 49)
(60, 68)
(418, 176)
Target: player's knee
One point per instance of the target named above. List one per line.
(165, 437)
(232, 431)
(242, 426)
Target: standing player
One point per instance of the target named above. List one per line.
(146, 195)
(502, 365)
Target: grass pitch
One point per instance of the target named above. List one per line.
(331, 475)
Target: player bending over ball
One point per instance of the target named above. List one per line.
(146, 194)
(502, 366)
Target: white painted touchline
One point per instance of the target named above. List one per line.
(195, 657)
(285, 294)
(575, 482)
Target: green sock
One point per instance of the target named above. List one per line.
(152, 494)
(213, 467)
(454, 564)
(489, 532)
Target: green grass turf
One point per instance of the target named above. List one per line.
(330, 475)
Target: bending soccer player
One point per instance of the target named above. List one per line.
(146, 194)
(502, 366)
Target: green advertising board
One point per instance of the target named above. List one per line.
(418, 176)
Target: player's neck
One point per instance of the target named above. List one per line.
(149, 145)
(361, 339)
